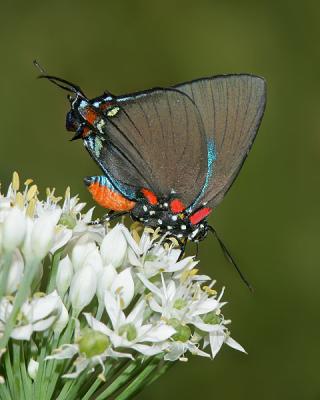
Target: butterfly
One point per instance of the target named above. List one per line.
(168, 155)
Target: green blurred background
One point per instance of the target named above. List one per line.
(270, 217)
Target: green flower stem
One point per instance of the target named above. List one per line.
(4, 393)
(52, 369)
(111, 372)
(140, 381)
(30, 271)
(64, 392)
(72, 395)
(10, 376)
(4, 272)
(16, 369)
(42, 365)
(126, 375)
(93, 388)
(163, 367)
(27, 383)
(54, 270)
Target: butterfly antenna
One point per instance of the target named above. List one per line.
(58, 81)
(230, 258)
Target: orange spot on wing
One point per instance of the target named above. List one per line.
(150, 196)
(199, 215)
(177, 206)
(107, 198)
(91, 115)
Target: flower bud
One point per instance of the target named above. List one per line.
(14, 229)
(43, 232)
(64, 275)
(92, 343)
(114, 247)
(183, 332)
(62, 320)
(106, 278)
(83, 288)
(33, 367)
(94, 260)
(80, 253)
(15, 272)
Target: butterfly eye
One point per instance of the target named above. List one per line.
(71, 122)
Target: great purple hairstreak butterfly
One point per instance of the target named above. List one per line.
(168, 155)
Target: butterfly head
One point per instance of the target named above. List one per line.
(83, 114)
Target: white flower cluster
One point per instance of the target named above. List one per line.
(120, 293)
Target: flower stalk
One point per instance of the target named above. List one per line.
(89, 311)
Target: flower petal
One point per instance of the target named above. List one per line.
(22, 332)
(113, 309)
(124, 287)
(216, 341)
(159, 333)
(97, 325)
(235, 345)
(147, 350)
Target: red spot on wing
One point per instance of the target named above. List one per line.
(176, 206)
(85, 131)
(199, 215)
(107, 198)
(104, 106)
(150, 196)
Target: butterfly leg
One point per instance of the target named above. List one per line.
(108, 217)
(183, 245)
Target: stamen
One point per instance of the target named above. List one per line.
(15, 181)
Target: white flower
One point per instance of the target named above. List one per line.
(91, 347)
(177, 350)
(184, 301)
(36, 316)
(130, 332)
(141, 299)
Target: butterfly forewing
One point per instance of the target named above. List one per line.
(158, 140)
(231, 108)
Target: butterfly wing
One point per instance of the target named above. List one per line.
(231, 108)
(156, 140)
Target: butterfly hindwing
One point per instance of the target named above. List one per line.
(231, 107)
